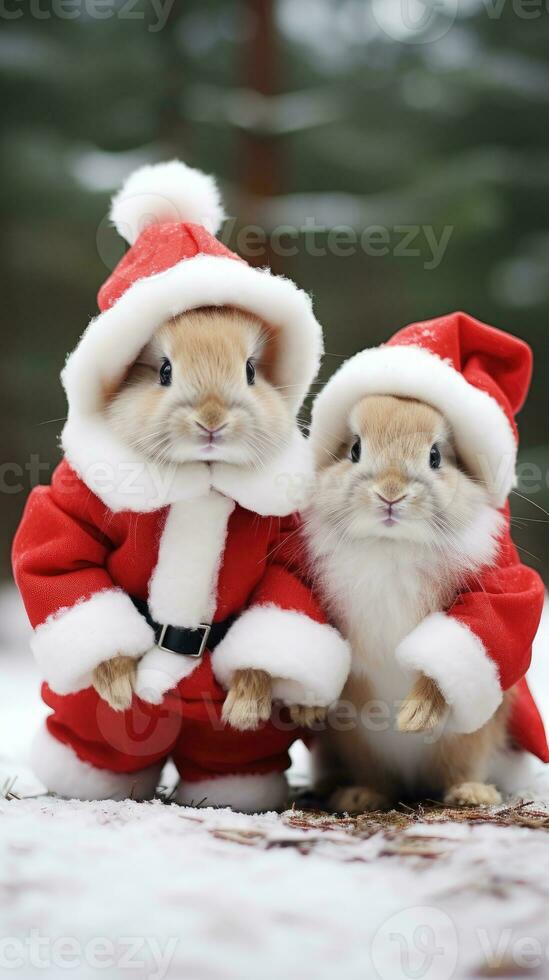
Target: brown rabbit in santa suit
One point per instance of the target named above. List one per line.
(410, 536)
(154, 569)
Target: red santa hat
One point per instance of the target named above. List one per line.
(169, 214)
(477, 376)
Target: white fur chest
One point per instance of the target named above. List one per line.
(377, 597)
(379, 591)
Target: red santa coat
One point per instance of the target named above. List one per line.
(77, 563)
(199, 542)
(482, 647)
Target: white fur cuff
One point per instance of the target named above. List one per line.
(62, 772)
(248, 793)
(71, 643)
(445, 650)
(160, 671)
(308, 661)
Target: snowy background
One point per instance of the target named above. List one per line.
(155, 890)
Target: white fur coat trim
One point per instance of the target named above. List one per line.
(484, 437)
(447, 651)
(72, 642)
(124, 480)
(160, 671)
(253, 793)
(63, 773)
(183, 586)
(308, 661)
(113, 340)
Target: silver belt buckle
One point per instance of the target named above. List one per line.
(207, 630)
(205, 627)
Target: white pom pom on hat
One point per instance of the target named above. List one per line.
(166, 192)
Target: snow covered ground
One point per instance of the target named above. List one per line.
(154, 890)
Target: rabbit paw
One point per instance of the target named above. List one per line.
(307, 717)
(249, 700)
(114, 681)
(423, 709)
(357, 799)
(473, 794)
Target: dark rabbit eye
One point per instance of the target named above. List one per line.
(250, 372)
(435, 458)
(355, 451)
(166, 373)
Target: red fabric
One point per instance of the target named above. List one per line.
(69, 546)
(282, 579)
(489, 359)
(525, 725)
(503, 607)
(186, 727)
(158, 248)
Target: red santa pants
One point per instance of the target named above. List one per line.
(185, 727)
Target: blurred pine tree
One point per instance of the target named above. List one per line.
(330, 106)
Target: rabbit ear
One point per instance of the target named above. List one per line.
(166, 193)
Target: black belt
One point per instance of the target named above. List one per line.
(179, 639)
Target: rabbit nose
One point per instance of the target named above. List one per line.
(211, 415)
(212, 430)
(390, 503)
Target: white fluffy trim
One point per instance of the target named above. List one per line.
(113, 340)
(166, 192)
(183, 586)
(63, 773)
(125, 481)
(280, 487)
(308, 661)
(72, 642)
(246, 793)
(484, 438)
(160, 671)
(445, 650)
